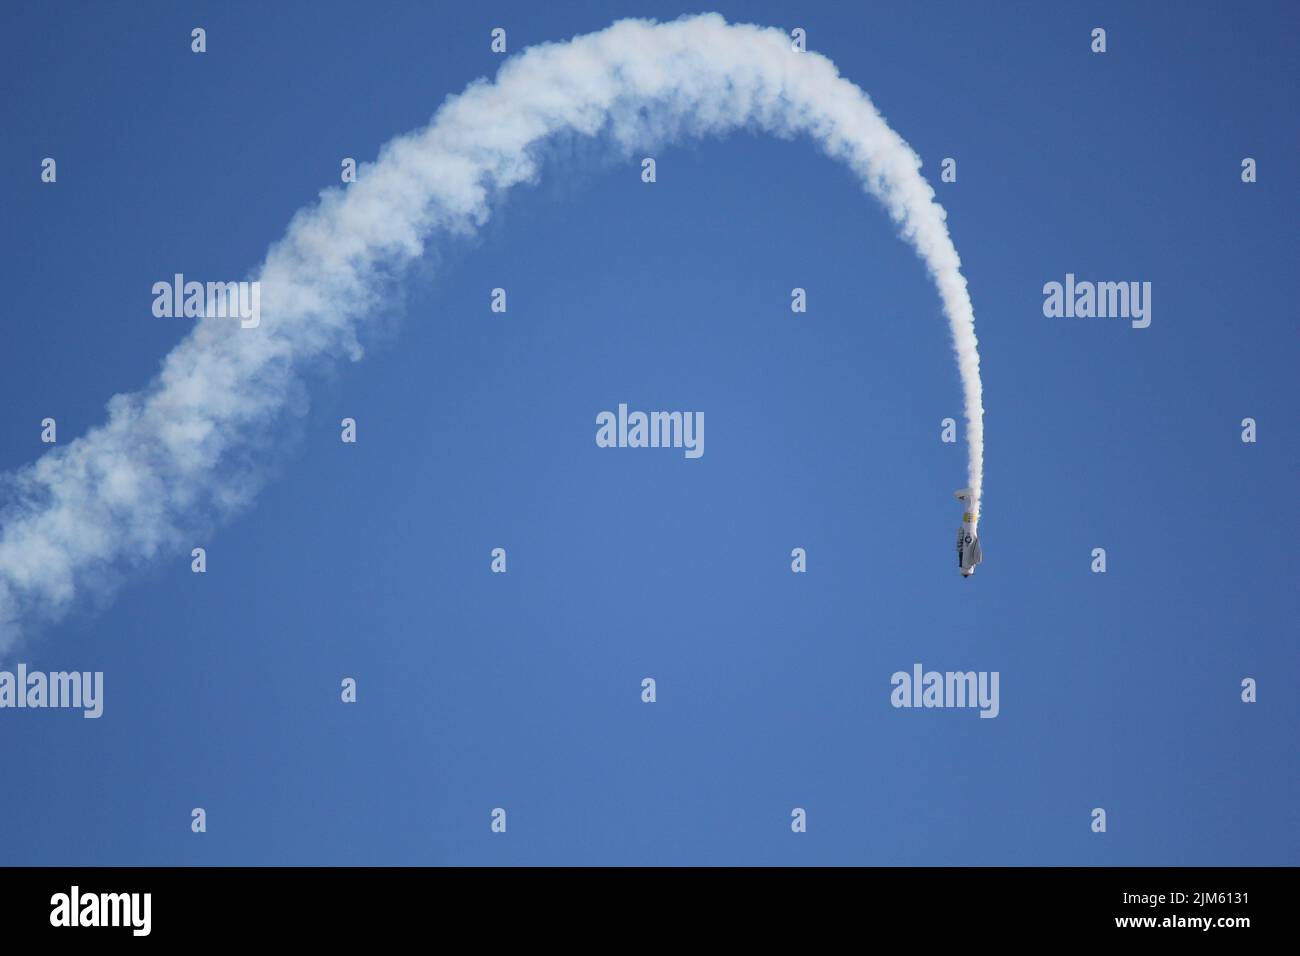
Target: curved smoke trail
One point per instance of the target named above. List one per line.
(185, 449)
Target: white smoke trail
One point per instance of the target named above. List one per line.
(185, 450)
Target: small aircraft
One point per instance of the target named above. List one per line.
(968, 541)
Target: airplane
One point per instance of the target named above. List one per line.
(968, 540)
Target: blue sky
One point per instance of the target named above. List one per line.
(1118, 690)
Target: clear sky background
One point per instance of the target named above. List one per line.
(1118, 690)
